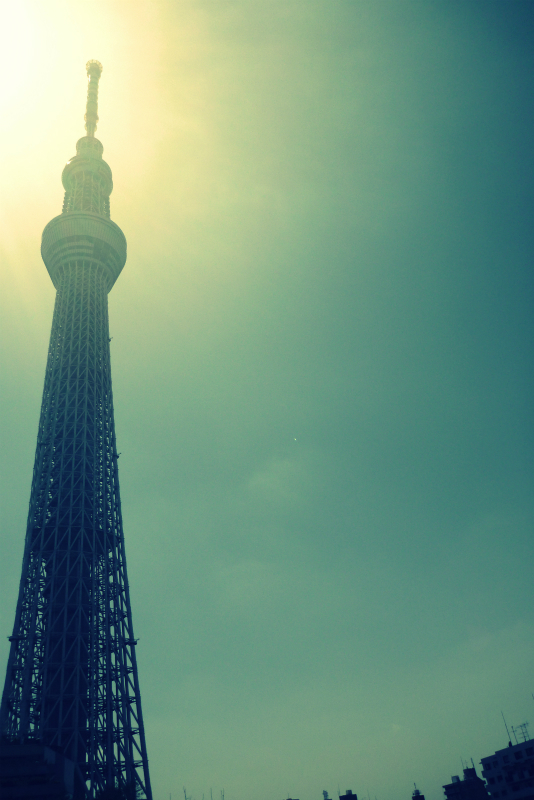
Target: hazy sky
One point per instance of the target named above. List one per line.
(322, 363)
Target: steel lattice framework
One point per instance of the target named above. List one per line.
(72, 679)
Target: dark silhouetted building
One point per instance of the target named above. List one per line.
(509, 773)
(34, 771)
(416, 794)
(470, 788)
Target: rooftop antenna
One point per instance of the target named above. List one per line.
(94, 71)
(523, 728)
(473, 763)
(507, 731)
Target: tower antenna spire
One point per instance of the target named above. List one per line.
(94, 71)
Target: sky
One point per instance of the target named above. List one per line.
(322, 369)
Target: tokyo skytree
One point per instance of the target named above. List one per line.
(71, 685)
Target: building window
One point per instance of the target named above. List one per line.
(499, 778)
(506, 759)
(495, 764)
(530, 751)
(518, 755)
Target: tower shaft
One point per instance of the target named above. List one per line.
(71, 680)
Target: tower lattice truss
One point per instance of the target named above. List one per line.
(71, 680)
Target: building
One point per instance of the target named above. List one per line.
(471, 787)
(31, 770)
(509, 773)
(71, 691)
(416, 794)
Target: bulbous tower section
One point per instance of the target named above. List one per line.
(71, 682)
(84, 229)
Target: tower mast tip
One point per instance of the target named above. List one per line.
(94, 71)
(94, 68)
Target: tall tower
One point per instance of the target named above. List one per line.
(71, 680)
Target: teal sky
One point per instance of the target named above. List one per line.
(322, 364)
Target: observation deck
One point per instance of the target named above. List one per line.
(83, 236)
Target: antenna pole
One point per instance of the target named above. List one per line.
(94, 71)
(506, 726)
